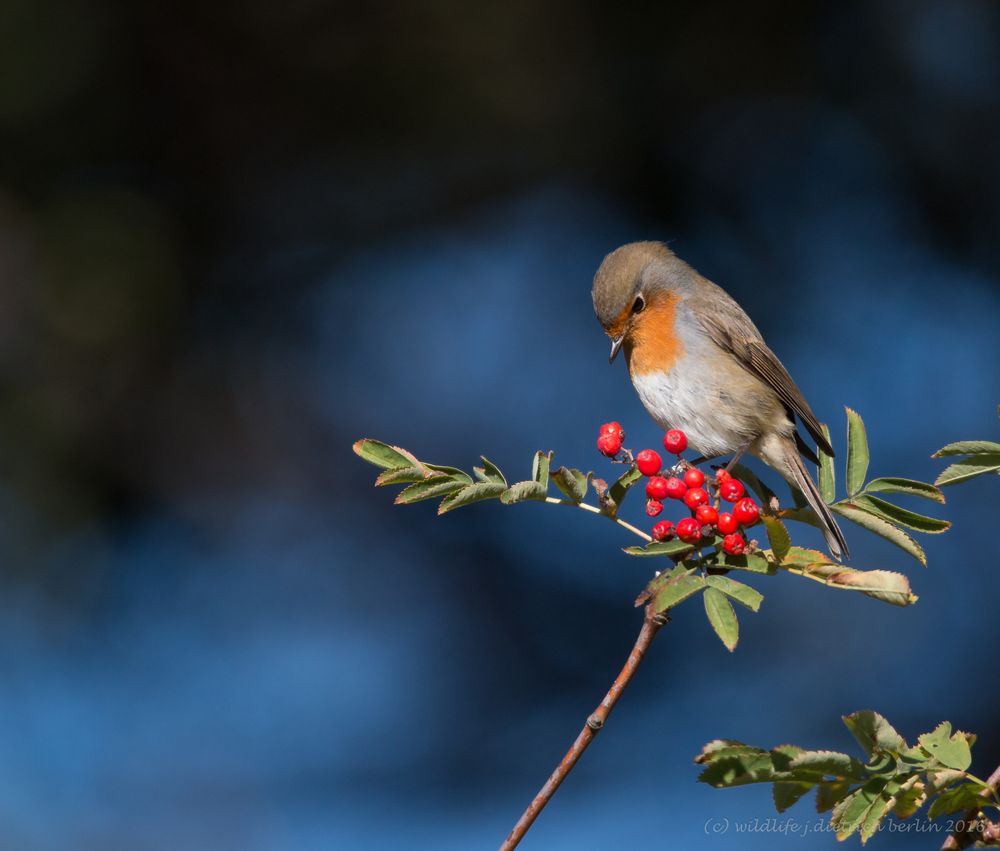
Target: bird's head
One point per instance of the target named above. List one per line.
(631, 287)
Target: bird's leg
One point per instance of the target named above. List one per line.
(737, 456)
(683, 465)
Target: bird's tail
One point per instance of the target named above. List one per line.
(795, 471)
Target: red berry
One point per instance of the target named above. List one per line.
(695, 497)
(613, 428)
(609, 444)
(706, 515)
(663, 530)
(648, 462)
(726, 523)
(694, 478)
(732, 490)
(734, 545)
(653, 507)
(688, 530)
(656, 487)
(675, 441)
(746, 512)
(723, 476)
(676, 488)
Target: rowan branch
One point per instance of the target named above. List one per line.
(974, 828)
(595, 722)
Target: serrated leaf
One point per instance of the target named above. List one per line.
(785, 794)
(675, 547)
(383, 455)
(490, 472)
(437, 485)
(738, 769)
(905, 486)
(522, 492)
(850, 813)
(459, 476)
(777, 535)
(830, 794)
(966, 796)
(802, 557)
(878, 810)
(677, 591)
(801, 515)
(968, 447)
(937, 781)
(977, 465)
(722, 617)
(471, 493)
(399, 475)
(952, 751)
(572, 482)
(884, 585)
(908, 798)
(540, 468)
(827, 473)
(873, 732)
(746, 596)
(750, 479)
(718, 747)
(616, 494)
(752, 563)
(834, 763)
(869, 521)
(857, 452)
(901, 516)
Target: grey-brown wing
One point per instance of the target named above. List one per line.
(731, 330)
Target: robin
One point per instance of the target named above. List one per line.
(700, 365)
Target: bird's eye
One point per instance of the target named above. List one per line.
(638, 305)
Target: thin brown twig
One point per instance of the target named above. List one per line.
(972, 827)
(595, 722)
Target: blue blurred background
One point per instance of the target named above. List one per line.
(235, 237)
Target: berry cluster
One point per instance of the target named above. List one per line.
(702, 496)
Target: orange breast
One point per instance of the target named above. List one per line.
(654, 345)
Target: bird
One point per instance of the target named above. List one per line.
(699, 364)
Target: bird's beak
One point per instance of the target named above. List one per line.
(616, 345)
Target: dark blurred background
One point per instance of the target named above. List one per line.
(235, 237)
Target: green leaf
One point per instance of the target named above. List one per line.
(857, 452)
(879, 810)
(428, 489)
(489, 472)
(746, 596)
(722, 617)
(901, 516)
(952, 751)
(738, 769)
(827, 473)
(675, 547)
(777, 535)
(967, 796)
(452, 472)
(851, 812)
(908, 798)
(968, 447)
(977, 465)
(382, 455)
(869, 521)
(677, 591)
(830, 794)
(400, 475)
(540, 468)
(833, 763)
(620, 488)
(786, 793)
(802, 557)
(873, 732)
(801, 515)
(905, 486)
(471, 493)
(572, 482)
(522, 492)
(750, 479)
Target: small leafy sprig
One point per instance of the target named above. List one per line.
(700, 567)
(894, 777)
(982, 457)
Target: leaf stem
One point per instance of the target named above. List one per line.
(651, 624)
(593, 509)
(970, 821)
